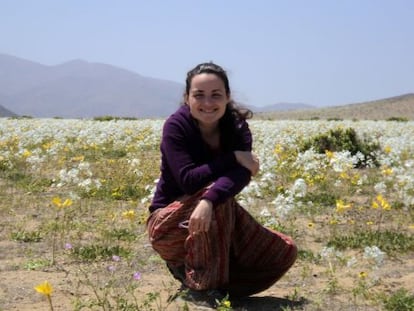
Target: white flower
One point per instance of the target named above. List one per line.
(265, 213)
(373, 252)
(299, 188)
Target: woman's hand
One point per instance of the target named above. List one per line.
(200, 219)
(249, 160)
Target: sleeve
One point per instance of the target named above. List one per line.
(233, 181)
(228, 185)
(190, 176)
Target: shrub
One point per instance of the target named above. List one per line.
(398, 119)
(112, 118)
(343, 140)
(401, 300)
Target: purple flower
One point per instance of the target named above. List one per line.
(116, 258)
(68, 246)
(136, 276)
(111, 268)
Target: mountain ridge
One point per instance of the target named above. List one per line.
(81, 89)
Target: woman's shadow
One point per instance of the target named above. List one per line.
(266, 303)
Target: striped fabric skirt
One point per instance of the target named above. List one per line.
(237, 254)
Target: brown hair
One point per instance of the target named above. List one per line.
(232, 108)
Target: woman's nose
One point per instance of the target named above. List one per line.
(208, 100)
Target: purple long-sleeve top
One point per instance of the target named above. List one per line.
(188, 164)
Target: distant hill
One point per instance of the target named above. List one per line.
(83, 89)
(282, 107)
(6, 113)
(394, 107)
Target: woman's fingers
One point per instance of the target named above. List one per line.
(201, 217)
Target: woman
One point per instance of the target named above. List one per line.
(209, 242)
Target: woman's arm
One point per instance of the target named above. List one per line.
(249, 160)
(234, 180)
(177, 153)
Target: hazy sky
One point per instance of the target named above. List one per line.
(314, 52)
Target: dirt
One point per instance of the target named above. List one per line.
(17, 285)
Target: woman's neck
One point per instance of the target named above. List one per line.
(209, 130)
(211, 136)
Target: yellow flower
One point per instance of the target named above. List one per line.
(333, 221)
(329, 154)
(387, 171)
(44, 288)
(344, 175)
(78, 158)
(411, 226)
(370, 223)
(58, 202)
(27, 153)
(67, 203)
(311, 225)
(341, 207)
(355, 179)
(380, 201)
(47, 146)
(278, 149)
(387, 149)
(129, 215)
(363, 275)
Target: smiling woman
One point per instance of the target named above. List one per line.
(196, 225)
(207, 100)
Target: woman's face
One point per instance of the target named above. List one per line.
(207, 99)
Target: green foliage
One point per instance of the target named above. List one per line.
(122, 234)
(388, 241)
(308, 255)
(112, 118)
(27, 236)
(401, 300)
(23, 117)
(94, 252)
(36, 264)
(321, 198)
(343, 140)
(398, 119)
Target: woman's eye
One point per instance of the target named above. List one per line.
(198, 95)
(216, 95)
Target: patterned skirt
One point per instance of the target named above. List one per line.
(237, 254)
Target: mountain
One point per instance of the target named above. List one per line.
(6, 113)
(81, 89)
(401, 106)
(282, 107)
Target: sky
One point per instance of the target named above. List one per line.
(316, 52)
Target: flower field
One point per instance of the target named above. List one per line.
(74, 197)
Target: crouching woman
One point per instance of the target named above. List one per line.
(208, 241)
